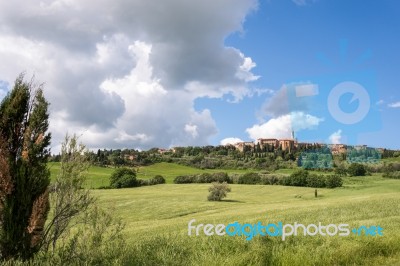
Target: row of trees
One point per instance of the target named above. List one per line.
(228, 157)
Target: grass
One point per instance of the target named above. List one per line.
(157, 217)
(391, 160)
(96, 177)
(99, 176)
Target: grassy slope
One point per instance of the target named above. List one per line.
(157, 218)
(99, 176)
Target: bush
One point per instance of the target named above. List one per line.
(357, 169)
(143, 182)
(271, 179)
(184, 179)
(298, 178)
(204, 178)
(218, 191)
(123, 178)
(158, 179)
(394, 175)
(341, 170)
(315, 181)
(333, 181)
(250, 179)
(221, 177)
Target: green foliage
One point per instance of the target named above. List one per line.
(68, 197)
(357, 169)
(123, 178)
(298, 178)
(24, 177)
(221, 177)
(391, 170)
(250, 179)
(218, 191)
(203, 178)
(315, 181)
(341, 170)
(184, 179)
(158, 179)
(333, 181)
(271, 179)
(98, 240)
(302, 178)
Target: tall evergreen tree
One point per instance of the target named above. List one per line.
(24, 176)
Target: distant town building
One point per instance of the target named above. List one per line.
(286, 144)
(337, 148)
(241, 145)
(271, 142)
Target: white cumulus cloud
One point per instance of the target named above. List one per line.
(227, 141)
(282, 126)
(336, 137)
(127, 73)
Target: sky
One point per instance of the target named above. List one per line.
(142, 74)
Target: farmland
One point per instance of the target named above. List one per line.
(156, 219)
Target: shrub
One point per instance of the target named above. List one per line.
(158, 179)
(123, 178)
(221, 177)
(394, 175)
(143, 182)
(184, 179)
(271, 179)
(333, 181)
(218, 191)
(204, 178)
(357, 169)
(250, 179)
(341, 170)
(315, 181)
(298, 178)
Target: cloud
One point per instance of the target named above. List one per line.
(303, 2)
(227, 141)
(336, 137)
(282, 103)
(380, 102)
(128, 77)
(282, 126)
(394, 105)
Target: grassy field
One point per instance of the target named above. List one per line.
(157, 218)
(99, 176)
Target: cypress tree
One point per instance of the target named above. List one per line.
(24, 176)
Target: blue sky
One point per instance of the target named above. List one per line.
(287, 40)
(142, 74)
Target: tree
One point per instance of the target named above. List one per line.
(24, 176)
(218, 191)
(333, 181)
(68, 197)
(357, 169)
(123, 178)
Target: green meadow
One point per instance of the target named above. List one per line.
(156, 219)
(99, 176)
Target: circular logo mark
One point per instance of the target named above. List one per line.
(359, 93)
